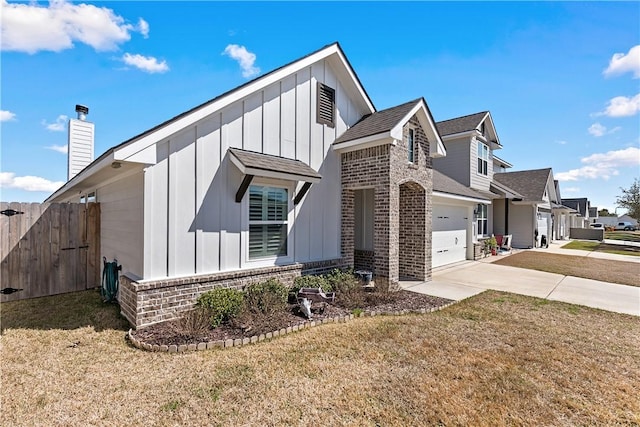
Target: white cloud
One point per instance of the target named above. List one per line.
(7, 116)
(28, 183)
(621, 63)
(148, 64)
(621, 106)
(64, 149)
(143, 27)
(597, 130)
(245, 58)
(571, 190)
(59, 124)
(602, 165)
(31, 27)
(561, 142)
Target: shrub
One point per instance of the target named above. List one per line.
(222, 303)
(267, 297)
(311, 282)
(342, 281)
(193, 324)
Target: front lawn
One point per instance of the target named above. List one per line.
(630, 236)
(590, 245)
(495, 359)
(624, 273)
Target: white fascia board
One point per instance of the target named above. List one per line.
(468, 133)
(462, 198)
(355, 80)
(171, 128)
(495, 132)
(527, 202)
(420, 109)
(84, 174)
(365, 142)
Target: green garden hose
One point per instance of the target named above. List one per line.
(109, 289)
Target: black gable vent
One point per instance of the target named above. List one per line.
(326, 105)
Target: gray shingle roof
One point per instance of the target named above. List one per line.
(443, 184)
(460, 124)
(268, 162)
(378, 122)
(579, 204)
(531, 184)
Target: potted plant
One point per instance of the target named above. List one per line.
(493, 245)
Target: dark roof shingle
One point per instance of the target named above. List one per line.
(460, 124)
(444, 184)
(378, 122)
(268, 162)
(531, 183)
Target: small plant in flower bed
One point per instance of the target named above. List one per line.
(222, 313)
(266, 297)
(311, 282)
(222, 304)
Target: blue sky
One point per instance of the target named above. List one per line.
(561, 79)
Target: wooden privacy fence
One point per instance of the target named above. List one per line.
(49, 249)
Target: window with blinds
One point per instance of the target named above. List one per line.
(268, 227)
(326, 105)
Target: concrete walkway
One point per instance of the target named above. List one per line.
(468, 278)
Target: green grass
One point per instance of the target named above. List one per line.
(589, 245)
(629, 236)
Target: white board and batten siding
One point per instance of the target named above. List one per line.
(121, 219)
(193, 224)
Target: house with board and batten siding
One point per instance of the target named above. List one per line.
(292, 173)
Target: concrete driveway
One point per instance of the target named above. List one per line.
(472, 277)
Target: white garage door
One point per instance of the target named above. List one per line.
(449, 238)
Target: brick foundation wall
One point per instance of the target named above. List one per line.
(145, 303)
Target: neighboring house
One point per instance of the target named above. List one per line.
(470, 142)
(562, 216)
(581, 206)
(530, 218)
(293, 172)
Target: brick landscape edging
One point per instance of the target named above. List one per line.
(238, 342)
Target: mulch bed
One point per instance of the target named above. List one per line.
(171, 333)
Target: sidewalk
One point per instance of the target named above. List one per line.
(468, 278)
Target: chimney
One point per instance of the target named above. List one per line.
(81, 134)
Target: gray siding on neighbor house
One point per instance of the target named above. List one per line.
(479, 181)
(121, 226)
(499, 216)
(521, 225)
(457, 163)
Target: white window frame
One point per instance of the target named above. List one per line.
(266, 261)
(483, 156)
(411, 145)
(482, 217)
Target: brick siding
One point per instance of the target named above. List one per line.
(402, 247)
(147, 302)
